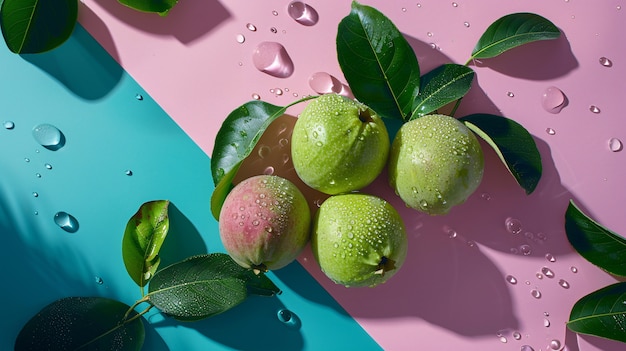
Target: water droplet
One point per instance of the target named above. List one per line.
(527, 348)
(274, 30)
(517, 335)
(251, 27)
(594, 109)
(564, 283)
(256, 96)
(555, 344)
(288, 318)
(503, 339)
(615, 145)
(283, 142)
(26, 159)
(48, 166)
(277, 91)
(454, 4)
(513, 225)
(535, 293)
(275, 13)
(35, 194)
(99, 280)
(302, 13)
(49, 136)
(269, 170)
(66, 222)
(139, 97)
(272, 58)
(553, 100)
(511, 279)
(240, 38)
(429, 34)
(419, 5)
(404, 9)
(485, 196)
(525, 250)
(466, 24)
(264, 151)
(573, 269)
(38, 175)
(9, 125)
(510, 94)
(324, 83)
(539, 275)
(547, 272)
(546, 322)
(550, 257)
(605, 62)
(619, 7)
(550, 131)
(128, 172)
(450, 232)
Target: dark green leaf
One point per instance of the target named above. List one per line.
(199, 287)
(85, 323)
(145, 232)
(513, 144)
(377, 61)
(601, 313)
(162, 7)
(259, 284)
(440, 87)
(595, 243)
(235, 140)
(511, 31)
(32, 26)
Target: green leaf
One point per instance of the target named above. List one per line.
(601, 313)
(235, 140)
(32, 26)
(377, 62)
(144, 235)
(86, 323)
(511, 31)
(259, 284)
(595, 243)
(162, 7)
(513, 144)
(201, 286)
(441, 86)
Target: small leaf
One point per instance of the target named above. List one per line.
(31, 26)
(601, 313)
(162, 7)
(513, 144)
(377, 61)
(441, 86)
(595, 243)
(145, 232)
(511, 31)
(235, 140)
(86, 323)
(199, 287)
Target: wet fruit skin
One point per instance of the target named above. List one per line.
(358, 239)
(435, 163)
(265, 222)
(338, 145)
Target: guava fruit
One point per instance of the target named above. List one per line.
(435, 163)
(338, 145)
(265, 222)
(358, 239)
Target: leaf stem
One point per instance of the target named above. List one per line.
(456, 106)
(137, 303)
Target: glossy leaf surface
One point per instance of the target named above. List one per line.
(511, 31)
(377, 61)
(143, 237)
(161, 7)
(201, 286)
(513, 144)
(82, 323)
(440, 87)
(32, 26)
(601, 313)
(594, 242)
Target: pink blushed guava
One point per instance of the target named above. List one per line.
(338, 145)
(264, 222)
(435, 163)
(358, 239)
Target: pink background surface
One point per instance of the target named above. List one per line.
(451, 293)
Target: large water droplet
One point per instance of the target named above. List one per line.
(66, 222)
(615, 145)
(288, 318)
(272, 58)
(9, 125)
(302, 13)
(513, 225)
(251, 27)
(605, 62)
(324, 83)
(555, 344)
(49, 136)
(553, 100)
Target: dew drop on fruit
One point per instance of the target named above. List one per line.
(49, 136)
(513, 225)
(547, 272)
(615, 145)
(511, 279)
(302, 13)
(66, 222)
(553, 100)
(605, 62)
(324, 83)
(272, 58)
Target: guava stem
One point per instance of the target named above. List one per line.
(385, 265)
(456, 106)
(260, 268)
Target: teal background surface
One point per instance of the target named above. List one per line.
(110, 129)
